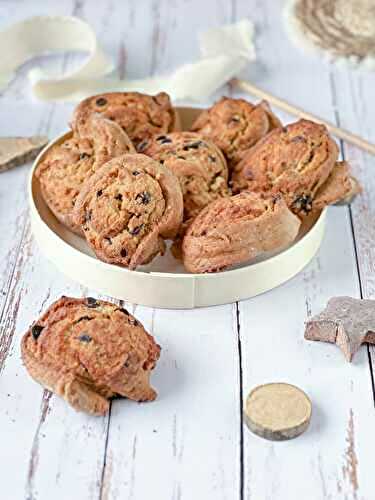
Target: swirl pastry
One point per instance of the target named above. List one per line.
(294, 161)
(88, 351)
(139, 115)
(233, 230)
(198, 164)
(67, 166)
(128, 208)
(235, 125)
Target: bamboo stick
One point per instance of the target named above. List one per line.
(293, 110)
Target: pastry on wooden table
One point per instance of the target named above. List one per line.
(128, 208)
(233, 230)
(88, 351)
(295, 161)
(235, 125)
(198, 163)
(66, 167)
(140, 115)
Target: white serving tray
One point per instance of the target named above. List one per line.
(164, 282)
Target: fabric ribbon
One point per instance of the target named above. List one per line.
(224, 52)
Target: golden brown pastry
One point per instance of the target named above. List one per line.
(294, 161)
(139, 115)
(340, 188)
(66, 167)
(88, 351)
(128, 208)
(235, 125)
(233, 230)
(198, 164)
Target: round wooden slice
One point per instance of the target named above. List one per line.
(277, 411)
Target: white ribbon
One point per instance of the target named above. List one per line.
(225, 51)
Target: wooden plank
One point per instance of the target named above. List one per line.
(181, 443)
(195, 451)
(332, 460)
(43, 439)
(186, 443)
(64, 451)
(353, 94)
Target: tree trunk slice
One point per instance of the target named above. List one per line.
(16, 151)
(277, 411)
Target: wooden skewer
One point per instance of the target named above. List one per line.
(293, 110)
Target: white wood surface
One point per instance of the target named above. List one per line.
(191, 442)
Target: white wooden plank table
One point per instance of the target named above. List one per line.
(191, 442)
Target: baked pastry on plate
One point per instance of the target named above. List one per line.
(88, 351)
(235, 125)
(128, 208)
(295, 161)
(233, 230)
(139, 115)
(198, 163)
(66, 167)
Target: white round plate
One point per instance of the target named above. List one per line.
(164, 282)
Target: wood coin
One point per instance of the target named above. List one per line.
(277, 411)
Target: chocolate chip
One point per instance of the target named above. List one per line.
(83, 318)
(192, 145)
(85, 338)
(36, 330)
(118, 197)
(92, 303)
(303, 202)
(135, 230)
(88, 215)
(163, 139)
(123, 310)
(101, 101)
(82, 156)
(99, 193)
(127, 364)
(143, 198)
(298, 138)
(141, 147)
(123, 252)
(135, 172)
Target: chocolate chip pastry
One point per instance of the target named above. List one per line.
(140, 115)
(295, 161)
(128, 208)
(198, 164)
(88, 351)
(67, 166)
(233, 230)
(235, 125)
